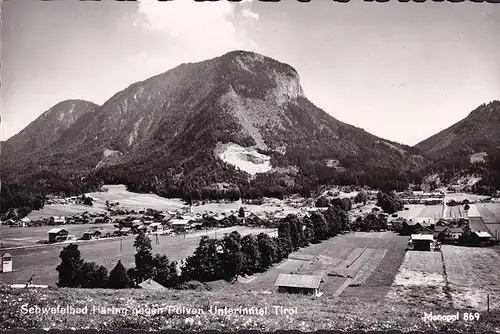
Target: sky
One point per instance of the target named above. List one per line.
(401, 71)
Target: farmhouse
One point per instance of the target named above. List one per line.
(89, 235)
(422, 242)
(57, 220)
(423, 230)
(156, 227)
(412, 226)
(456, 232)
(425, 221)
(57, 234)
(306, 284)
(25, 221)
(179, 225)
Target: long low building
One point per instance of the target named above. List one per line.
(422, 242)
(306, 284)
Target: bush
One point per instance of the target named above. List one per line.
(194, 285)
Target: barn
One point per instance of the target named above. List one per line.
(89, 235)
(293, 283)
(483, 238)
(422, 242)
(57, 234)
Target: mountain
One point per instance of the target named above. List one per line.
(48, 128)
(214, 121)
(477, 133)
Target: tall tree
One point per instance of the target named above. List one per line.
(92, 276)
(118, 278)
(268, 250)
(241, 212)
(251, 254)
(285, 245)
(205, 264)
(70, 266)
(232, 256)
(321, 231)
(144, 264)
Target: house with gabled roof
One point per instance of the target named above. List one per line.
(294, 283)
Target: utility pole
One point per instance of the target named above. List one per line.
(121, 244)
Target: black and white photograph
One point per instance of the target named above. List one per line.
(250, 165)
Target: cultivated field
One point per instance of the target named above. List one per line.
(65, 210)
(462, 277)
(268, 206)
(456, 212)
(421, 211)
(28, 236)
(42, 261)
(490, 213)
(369, 276)
(420, 280)
(472, 275)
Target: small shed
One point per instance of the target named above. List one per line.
(422, 242)
(293, 283)
(57, 234)
(89, 235)
(6, 263)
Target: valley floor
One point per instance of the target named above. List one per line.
(41, 261)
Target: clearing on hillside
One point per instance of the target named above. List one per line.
(116, 193)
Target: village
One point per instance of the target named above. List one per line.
(427, 221)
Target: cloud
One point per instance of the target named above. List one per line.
(207, 28)
(247, 12)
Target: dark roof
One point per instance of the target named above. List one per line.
(92, 232)
(440, 228)
(456, 229)
(299, 281)
(57, 230)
